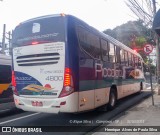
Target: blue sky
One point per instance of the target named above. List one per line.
(101, 14)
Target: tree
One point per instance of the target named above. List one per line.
(133, 34)
(146, 10)
(129, 32)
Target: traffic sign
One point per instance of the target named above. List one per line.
(148, 48)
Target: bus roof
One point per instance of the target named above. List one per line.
(42, 17)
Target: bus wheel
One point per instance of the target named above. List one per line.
(112, 100)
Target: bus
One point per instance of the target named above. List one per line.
(6, 94)
(63, 65)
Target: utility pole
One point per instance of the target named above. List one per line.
(3, 38)
(9, 41)
(154, 7)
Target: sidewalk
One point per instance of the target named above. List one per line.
(143, 114)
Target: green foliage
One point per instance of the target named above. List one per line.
(140, 41)
(133, 34)
(152, 69)
(130, 30)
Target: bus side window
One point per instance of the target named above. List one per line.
(127, 58)
(130, 59)
(122, 55)
(118, 58)
(82, 38)
(139, 63)
(105, 50)
(89, 42)
(112, 53)
(94, 44)
(133, 62)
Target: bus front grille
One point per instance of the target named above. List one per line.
(38, 59)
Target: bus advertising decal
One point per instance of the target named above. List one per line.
(107, 72)
(28, 85)
(40, 90)
(124, 72)
(36, 88)
(136, 73)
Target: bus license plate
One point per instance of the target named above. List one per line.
(37, 103)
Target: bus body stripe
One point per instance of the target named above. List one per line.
(97, 84)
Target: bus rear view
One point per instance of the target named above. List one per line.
(62, 64)
(41, 76)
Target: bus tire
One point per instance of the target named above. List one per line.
(112, 100)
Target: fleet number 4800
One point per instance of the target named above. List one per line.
(54, 78)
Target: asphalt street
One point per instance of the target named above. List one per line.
(84, 122)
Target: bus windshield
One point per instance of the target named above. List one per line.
(39, 31)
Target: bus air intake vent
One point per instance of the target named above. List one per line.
(38, 59)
